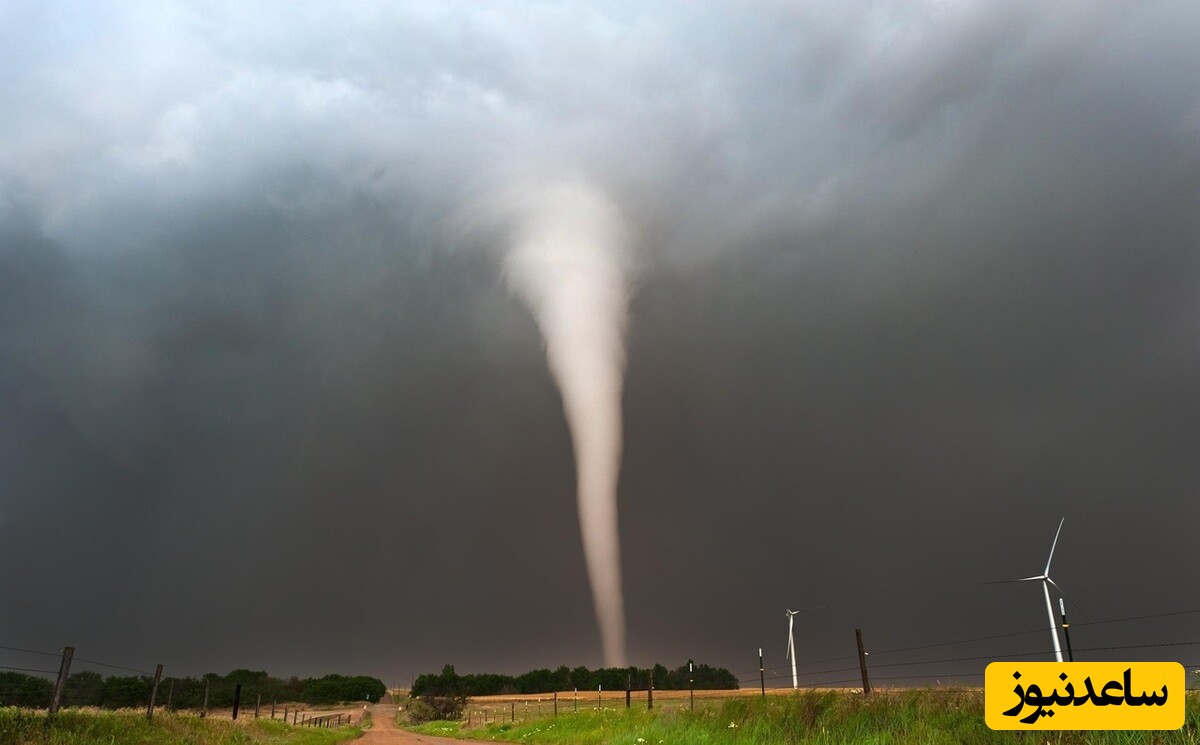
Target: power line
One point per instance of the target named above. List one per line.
(31, 651)
(114, 667)
(1139, 618)
(960, 641)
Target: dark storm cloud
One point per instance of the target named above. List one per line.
(913, 283)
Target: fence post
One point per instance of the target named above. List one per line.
(862, 662)
(153, 693)
(285, 712)
(204, 706)
(650, 691)
(556, 703)
(512, 711)
(628, 688)
(237, 700)
(257, 703)
(600, 697)
(273, 710)
(762, 680)
(170, 692)
(576, 698)
(64, 669)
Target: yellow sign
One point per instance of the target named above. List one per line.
(1083, 695)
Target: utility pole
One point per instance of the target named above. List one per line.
(862, 662)
(1066, 627)
(64, 669)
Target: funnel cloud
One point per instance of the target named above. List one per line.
(567, 262)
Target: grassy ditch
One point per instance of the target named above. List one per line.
(927, 716)
(93, 727)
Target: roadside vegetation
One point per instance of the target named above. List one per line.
(927, 716)
(96, 727)
(88, 688)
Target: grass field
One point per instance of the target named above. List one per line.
(926, 716)
(95, 727)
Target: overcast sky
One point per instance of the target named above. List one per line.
(913, 282)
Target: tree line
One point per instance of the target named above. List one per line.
(89, 688)
(450, 683)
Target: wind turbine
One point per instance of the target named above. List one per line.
(791, 645)
(1047, 583)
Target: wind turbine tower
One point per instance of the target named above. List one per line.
(791, 645)
(1047, 583)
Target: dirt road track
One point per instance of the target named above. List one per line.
(385, 732)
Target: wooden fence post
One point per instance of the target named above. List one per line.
(64, 669)
(862, 662)
(153, 693)
(237, 700)
(204, 706)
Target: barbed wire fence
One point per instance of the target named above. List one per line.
(50, 680)
(887, 668)
(45, 679)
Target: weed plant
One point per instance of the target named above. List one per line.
(96, 727)
(924, 717)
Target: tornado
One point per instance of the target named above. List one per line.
(568, 261)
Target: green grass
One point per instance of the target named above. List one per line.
(88, 727)
(927, 717)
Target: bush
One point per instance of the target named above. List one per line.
(436, 708)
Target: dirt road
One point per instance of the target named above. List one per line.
(385, 732)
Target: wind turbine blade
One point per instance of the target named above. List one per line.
(1009, 581)
(1053, 545)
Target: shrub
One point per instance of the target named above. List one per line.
(435, 708)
